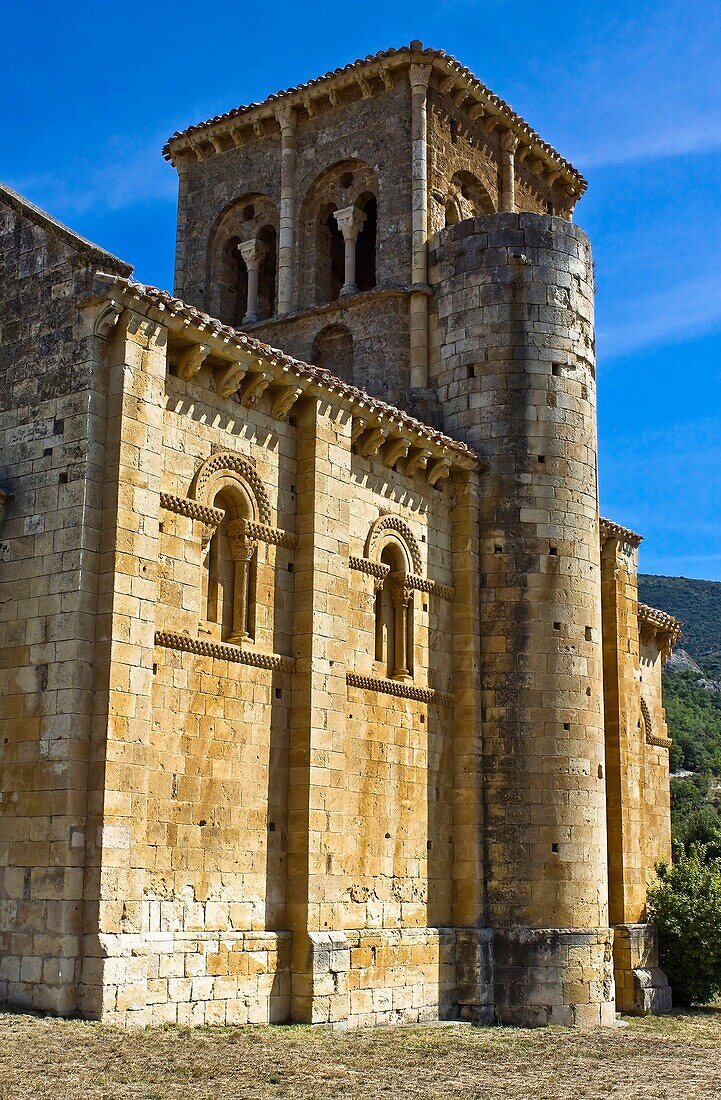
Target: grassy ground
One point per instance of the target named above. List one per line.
(674, 1058)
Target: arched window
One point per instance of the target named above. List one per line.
(330, 256)
(365, 257)
(233, 283)
(333, 350)
(468, 198)
(230, 571)
(394, 639)
(242, 261)
(267, 272)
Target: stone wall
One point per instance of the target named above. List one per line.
(52, 434)
(514, 367)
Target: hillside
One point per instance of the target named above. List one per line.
(692, 697)
(698, 605)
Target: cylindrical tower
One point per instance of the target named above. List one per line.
(513, 362)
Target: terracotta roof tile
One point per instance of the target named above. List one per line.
(610, 530)
(165, 303)
(415, 50)
(663, 622)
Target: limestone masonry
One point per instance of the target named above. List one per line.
(326, 694)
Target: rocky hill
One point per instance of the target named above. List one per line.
(698, 605)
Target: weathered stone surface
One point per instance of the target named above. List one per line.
(311, 711)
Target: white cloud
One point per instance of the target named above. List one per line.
(667, 316)
(124, 176)
(697, 137)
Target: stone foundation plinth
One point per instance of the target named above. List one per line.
(642, 989)
(554, 976)
(364, 978)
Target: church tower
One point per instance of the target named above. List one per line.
(399, 224)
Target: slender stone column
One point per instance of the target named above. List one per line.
(286, 237)
(252, 253)
(242, 548)
(509, 144)
(180, 234)
(401, 598)
(419, 76)
(350, 222)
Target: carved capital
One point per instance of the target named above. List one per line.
(351, 220)
(419, 75)
(509, 142)
(358, 427)
(285, 117)
(242, 546)
(252, 253)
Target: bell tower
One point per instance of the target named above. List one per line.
(305, 219)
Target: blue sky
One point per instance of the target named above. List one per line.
(630, 92)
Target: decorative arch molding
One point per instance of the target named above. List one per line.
(646, 719)
(226, 468)
(394, 529)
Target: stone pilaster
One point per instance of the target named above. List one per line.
(286, 236)
(317, 750)
(419, 76)
(509, 144)
(114, 967)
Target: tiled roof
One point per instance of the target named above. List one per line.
(165, 305)
(610, 530)
(664, 623)
(34, 214)
(414, 51)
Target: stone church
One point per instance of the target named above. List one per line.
(326, 694)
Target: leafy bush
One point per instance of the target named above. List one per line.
(685, 905)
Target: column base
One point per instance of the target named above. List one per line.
(554, 976)
(642, 989)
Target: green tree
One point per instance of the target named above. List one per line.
(685, 906)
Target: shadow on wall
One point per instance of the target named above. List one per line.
(333, 351)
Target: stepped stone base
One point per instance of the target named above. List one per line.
(642, 989)
(554, 976)
(362, 978)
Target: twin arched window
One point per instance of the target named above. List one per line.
(394, 617)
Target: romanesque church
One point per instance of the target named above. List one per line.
(326, 694)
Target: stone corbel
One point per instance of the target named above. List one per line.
(459, 96)
(387, 77)
(216, 143)
(364, 86)
(552, 175)
(357, 429)
(191, 360)
(108, 319)
(397, 448)
(284, 401)
(438, 470)
(258, 129)
(418, 461)
(195, 146)
(333, 97)
(372, 442)
(231, 378)
(309, 106)
(256, 384)
(235, 136)
(476, 112)
(447, 85)
(490, 123)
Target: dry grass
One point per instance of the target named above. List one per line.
(675, 1058)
